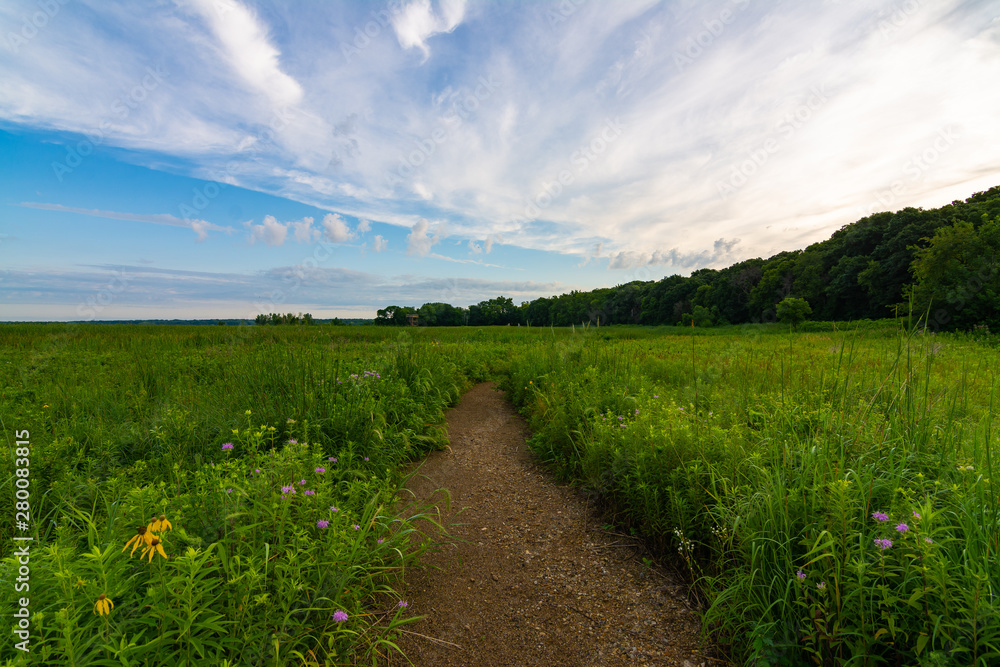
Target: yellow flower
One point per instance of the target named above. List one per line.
(158, 525)
(104, 605)
(45, 405)
(156, 546)
(142, 535)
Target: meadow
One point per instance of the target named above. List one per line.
(231, 492)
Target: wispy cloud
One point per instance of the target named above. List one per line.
(200, 227)
(417, 22)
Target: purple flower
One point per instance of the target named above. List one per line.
(357, 527)
(320, 470)
(287, 489)
(801, 575)
(880, 516)
(403, 604)
(332, 458)
(916, 515)
(883, 544)
(340, 616)
(257, 471)
(293, 442)
(301, 482)
(902, 528)
(379, 540)
(310, 492)
(229, 490)
(333, 509)
(322, 523)
(928, 540)
(228, 445)
(821, 586)
(366, 458)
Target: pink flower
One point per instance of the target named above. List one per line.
(228, 445)
(320, 470)
(340, 616)
(333, 508)
(902, 528)
(403, 604)
(883, 544)
(880, 516)
(357, 527)
(322, 523)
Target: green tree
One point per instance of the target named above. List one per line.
(793, 311)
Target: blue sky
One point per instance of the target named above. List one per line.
(221, 158)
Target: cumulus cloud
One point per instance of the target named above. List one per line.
(418, 242)
(379, 243)
(417, 22)
(721, 252)
(364, 226)
(303, 231)
(335, 229)
(270, 231)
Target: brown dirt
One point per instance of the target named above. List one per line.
(535, 580)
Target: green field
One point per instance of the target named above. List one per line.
(762, 462)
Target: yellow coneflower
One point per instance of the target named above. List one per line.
(142, 536)
(154, 547)
(104, 605)
(158, 525)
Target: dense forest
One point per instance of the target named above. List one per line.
(939, 263)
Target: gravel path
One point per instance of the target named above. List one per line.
(534, 581)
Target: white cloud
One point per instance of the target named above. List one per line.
(303, 231)
(200, 227)
(379, 244)
(335, 229)
(270, 231)
(364, 226)
(248, 49)
(418, 242)
(417, 22)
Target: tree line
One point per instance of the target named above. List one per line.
(939, 262)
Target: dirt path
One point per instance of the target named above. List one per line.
(537, 582)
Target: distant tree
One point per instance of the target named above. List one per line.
(793, 311)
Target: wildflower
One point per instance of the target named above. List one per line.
(928, 540)
(379, 541)
(287, 489)
(916, 515)
(880, 516)
(142, 536)
(821, 586)
(293, 442)
(883, 544)
(340, 616)
(104, 605)
(247, 413)
(291, 421)
(403, 604)
(332, 458)
(902, 528)
(302, 482)
(322, 523)
(310, 492)
(155, 547)
(801, 575)
(227, 445)
(229, 490)
(160, 524)
(257, 470)
(357, 527)
(366, 458)
(45, 405)
(320, 470)
(656, 395)
(333, 509)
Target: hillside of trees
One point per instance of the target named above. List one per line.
(942, 261)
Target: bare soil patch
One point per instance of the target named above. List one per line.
(536, 580)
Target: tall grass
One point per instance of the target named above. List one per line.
(771, 464)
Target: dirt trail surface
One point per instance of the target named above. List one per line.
(536, 581)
